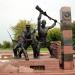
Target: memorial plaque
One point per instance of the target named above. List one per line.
(38, 67)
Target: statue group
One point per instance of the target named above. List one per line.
(28, 38)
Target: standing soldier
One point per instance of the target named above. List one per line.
(42, 32)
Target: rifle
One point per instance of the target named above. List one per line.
(44, 13)
(11, 37)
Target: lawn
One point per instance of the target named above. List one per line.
(29, 50)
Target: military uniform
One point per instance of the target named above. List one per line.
(30, 39)
(42, 32)
(20, 47)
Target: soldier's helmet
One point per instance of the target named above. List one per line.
(27, 26)
(43, 22)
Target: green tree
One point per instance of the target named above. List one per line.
(54, 34)
(19, 27)
(0, 45)
(6, 44)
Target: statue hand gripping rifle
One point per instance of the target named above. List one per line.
(42, 30)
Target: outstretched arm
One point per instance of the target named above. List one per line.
(39, 21)
(52, 24)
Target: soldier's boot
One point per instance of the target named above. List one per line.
(15, 53)
(35, 56)
(38, 53)
(26, 55)
(20, 53)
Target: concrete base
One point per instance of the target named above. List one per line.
(22, 67)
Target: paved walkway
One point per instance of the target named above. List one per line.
(22, 67)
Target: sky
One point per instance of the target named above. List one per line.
(12, 11)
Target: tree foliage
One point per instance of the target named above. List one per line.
(0, 45)
(19, 27)
(54, 34)
(6, 44)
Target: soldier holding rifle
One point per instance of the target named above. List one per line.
(42, 29)
(30, 39)
(19, 47)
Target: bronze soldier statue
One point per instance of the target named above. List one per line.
(30, 39)
(42, 32)
(19, 47)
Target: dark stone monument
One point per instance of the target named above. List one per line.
(66, 43)
(42, 30)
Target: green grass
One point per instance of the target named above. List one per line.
(29, 49)
(43, 50)
(5, 50)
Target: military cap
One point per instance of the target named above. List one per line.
(44, 21)
(27, 25)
